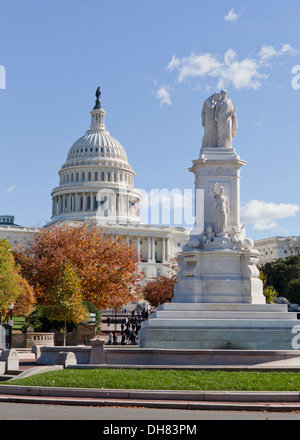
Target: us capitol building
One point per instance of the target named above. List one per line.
(96, 186)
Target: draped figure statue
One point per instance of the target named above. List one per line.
(225, 117)
(221, 210)
(208, 121)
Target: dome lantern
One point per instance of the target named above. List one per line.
(97, 115)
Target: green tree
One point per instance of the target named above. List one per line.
(64, 301)
(292, 291)
(268, 291)
(93, 309)
(284, 277)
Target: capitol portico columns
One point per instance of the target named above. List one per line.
(168, 249)
(163, 256)
(139, 247)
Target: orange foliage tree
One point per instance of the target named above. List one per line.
(25, 301)
(107, 267)
(161, 289)
(12, 286)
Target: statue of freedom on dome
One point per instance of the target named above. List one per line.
(98, 102)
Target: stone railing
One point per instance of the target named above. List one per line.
(79, 336)
(39, 338)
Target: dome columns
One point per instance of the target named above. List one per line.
(98, 120)
(89, 201)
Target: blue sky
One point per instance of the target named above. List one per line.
(156, 62)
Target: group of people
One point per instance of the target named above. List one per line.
(130, 327)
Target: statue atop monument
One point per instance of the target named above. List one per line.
(219, 121)
(210, 137)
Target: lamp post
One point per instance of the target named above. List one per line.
(11, 306)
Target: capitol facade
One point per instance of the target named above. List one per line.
(96, 186)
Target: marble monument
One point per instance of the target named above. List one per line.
(218, 299)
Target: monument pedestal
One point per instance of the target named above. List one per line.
(219, 326)
(218, 276)
(218, 300)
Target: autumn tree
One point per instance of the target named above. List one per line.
(25, 301)
(161, 289)
(12, 285)
(64, 301)
(107, 267)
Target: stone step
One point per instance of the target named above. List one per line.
(215, 297)
(172, 323)
(14, 372)
(4, 377)
(242, 307)
(224, 314)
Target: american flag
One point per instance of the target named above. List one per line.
(134, 206)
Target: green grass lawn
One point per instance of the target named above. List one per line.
(166, 380)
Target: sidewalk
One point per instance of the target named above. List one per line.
(223, 401)
(26, 364)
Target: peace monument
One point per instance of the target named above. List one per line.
(218, 300)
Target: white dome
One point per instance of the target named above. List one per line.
(97, 144)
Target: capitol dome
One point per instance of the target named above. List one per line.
(99, 144)
(96, 180)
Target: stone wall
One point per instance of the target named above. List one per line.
(81, 335)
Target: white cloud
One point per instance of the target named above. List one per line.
(195, 66)
(229, 71)
(242, 74)
(10, 189)
(163, 95)
(268, 52)
(263, 215)
(231, 16)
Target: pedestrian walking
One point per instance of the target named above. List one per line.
(132, 338)
(115, 338)
(123, 339)
(126, 333)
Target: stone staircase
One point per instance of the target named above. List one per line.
(238, 326)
